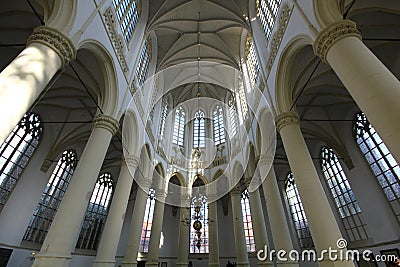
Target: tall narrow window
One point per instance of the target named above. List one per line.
(343, 195)
(128, 12)
(298, 215)
(142, 66)
(16, 151)
(382, 163)
(199, 130)
(51, 198)
(179, 127)
(233, 116)
(219, 128)
(147, 221)
(248, 225)
(253, 66)
(267, 11)
(164, 113)
(96, 213)
(199, 211)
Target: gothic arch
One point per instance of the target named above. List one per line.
(108, 94)
(60, 14)
(327, 12)
(283, 90)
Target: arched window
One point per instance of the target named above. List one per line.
(198, 212)
(267, 11)
(343, 195)
(147, 221)
(248, 225)
(199, 130)
(253, 66)
(164, 114)
(51, 198)
(233, 116)
(128, 12)
(96, 213)
(297, 211)
(382, 163)
(142, 66)
(219, 128)
(196, 245)
(16, 151)
(179, 127)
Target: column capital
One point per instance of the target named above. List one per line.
(161, 195)
(55, 40)
(247, 180)
(106, 122)
(332, 34)
(236, 190)
(46, 165)
(144, 183)
(285, 119)
(130, 161)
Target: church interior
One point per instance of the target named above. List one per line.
(175, 133)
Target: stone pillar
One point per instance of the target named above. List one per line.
(238, 228)
(156, 228)
(64, 231)
(257, 219)
(279, 226)
(213, 256)
(132, 248)
(183, 245)
(373, 87)
(22, 81)
(323, 226)
(112, 230)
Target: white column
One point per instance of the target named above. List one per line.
(112, 230)
(238, 229)
(373, 87)
(258, 222)
(132, 248)
(213, 256)
(156, 228)
(22, 81)
(64, 231)
(183, 245)
(279, 226)
(323, 226)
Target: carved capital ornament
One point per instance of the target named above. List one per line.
(285, 119)
(332, 34)
(55, 40)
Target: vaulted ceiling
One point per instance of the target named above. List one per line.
(207, 30)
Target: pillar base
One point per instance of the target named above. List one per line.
(182, 264)
(328, 263)
(213, 264)
(243, 264)
(104, 264)
(152, 264)
(51, 261)
(129, 264)
(287, 264)
(265, 264)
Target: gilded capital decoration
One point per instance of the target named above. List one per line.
(130, 161)
(106, 122)
(332, 34)
(285, 119)
(55, 40)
